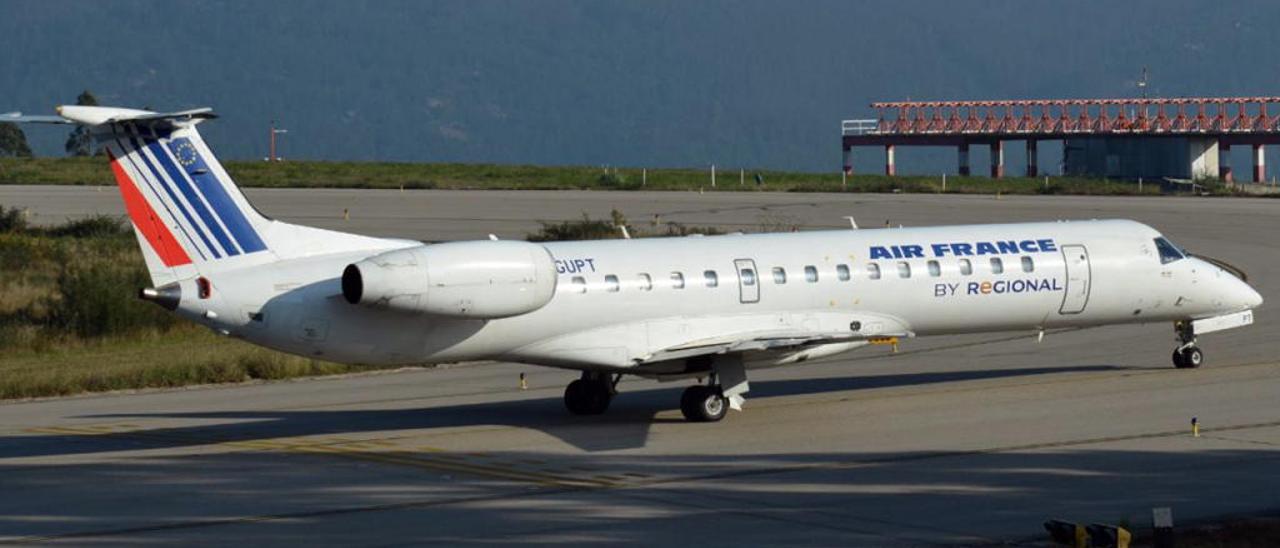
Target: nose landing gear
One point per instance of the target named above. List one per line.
(1187, 355)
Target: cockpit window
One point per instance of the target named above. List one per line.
(1168, 252)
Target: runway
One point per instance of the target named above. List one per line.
(951, 441)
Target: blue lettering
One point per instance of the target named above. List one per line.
(1055, 285)
(592, 264)
(939, 290)
(1008, 246)
(940, 250)
(1028, 245)
(912, 251)
(1047, 245)
(962, 249)
(878, 252)
(973, 288)
(985, 248)
(559, 266)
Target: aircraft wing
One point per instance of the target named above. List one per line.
(667, 340)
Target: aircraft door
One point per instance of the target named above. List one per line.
(1076, 293)
(748, 281)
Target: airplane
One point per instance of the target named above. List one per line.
(675, 308)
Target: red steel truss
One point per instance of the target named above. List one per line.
(1077, 116)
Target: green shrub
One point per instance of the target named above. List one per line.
(97, 226)
(96, 298)
(12, 219)
(584, 229)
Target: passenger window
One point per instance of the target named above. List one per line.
(935, 269)
(842, 272)
(611, 283)
(646, 283)
(997, 266)
(711, 278)
(1028, 265)
(904, 270)
(579, 284)
(748, 276)
(810, 274)
(677, 280)
(779, 275)
(873, 271)
(966, 267)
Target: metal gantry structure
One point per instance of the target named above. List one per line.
(1231, 120)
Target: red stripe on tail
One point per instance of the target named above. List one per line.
(146, 220)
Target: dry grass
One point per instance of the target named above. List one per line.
(69, 321)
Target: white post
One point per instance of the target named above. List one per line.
(1139, 185)
(644, 176)
(713, 175)
(944, 183)
(844, 180)
(742, 176)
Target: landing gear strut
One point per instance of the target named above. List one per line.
(591, 394)
(1187, 355)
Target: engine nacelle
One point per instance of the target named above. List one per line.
(482, 280)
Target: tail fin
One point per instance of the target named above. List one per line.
(184, 207)
(189, 217)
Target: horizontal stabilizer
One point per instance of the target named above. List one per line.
(97, 116)
(19, 118)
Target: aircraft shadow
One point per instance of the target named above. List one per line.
(626, 425)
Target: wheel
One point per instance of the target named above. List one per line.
(1192, 357)
(703, 404)
(587, 397)
(1177, 359)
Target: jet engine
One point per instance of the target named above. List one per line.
(478, 280)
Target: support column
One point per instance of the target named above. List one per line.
(997, 160)
(1259, 164)
(848, 161)
(1224, 163)
(1032, 170)
(963, 152)
(889, 168)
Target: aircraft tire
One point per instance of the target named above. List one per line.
(703, 404)
(587, 397)
(1192, 357)
(1177, 359)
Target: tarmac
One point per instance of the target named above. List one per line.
(972, 440)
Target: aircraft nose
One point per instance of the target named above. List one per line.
(1252, 299)
(1243, 296)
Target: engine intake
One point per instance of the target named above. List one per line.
(481, 280)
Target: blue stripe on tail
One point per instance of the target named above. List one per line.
(184, 185)
(216, 193)
(137, 149)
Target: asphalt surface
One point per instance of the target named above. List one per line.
(955, 440)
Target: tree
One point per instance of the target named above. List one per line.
(80, 142)
(13, 142)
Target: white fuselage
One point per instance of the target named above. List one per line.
(617, 302)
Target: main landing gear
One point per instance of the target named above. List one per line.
(1187, 355)
(591, 394)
